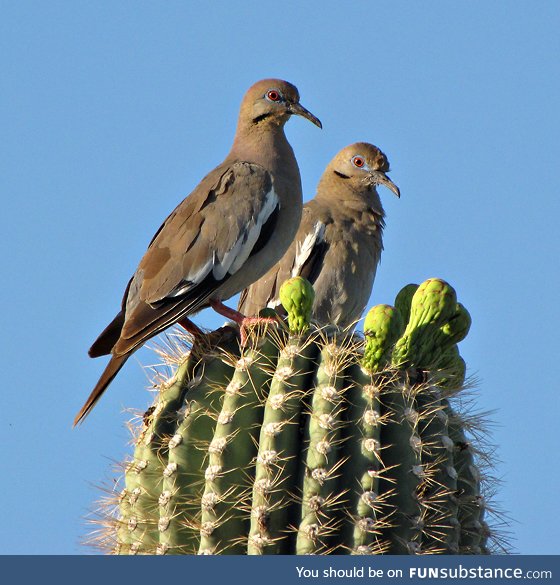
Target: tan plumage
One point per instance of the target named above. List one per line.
(227, 233)
(339, 242)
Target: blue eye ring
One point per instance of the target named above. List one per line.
(273, 95)
(359, 161)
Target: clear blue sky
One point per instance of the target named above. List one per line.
(112, 111)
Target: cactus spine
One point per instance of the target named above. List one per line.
(313, 441)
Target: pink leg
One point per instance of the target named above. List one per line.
(189, 326)
(239, 318)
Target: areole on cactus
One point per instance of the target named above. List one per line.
(312, 440)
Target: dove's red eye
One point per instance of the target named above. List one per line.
(273, 95)
(358, 161)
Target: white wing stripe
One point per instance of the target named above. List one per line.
(193, 279)
(237, 255)
(304, 249)
(245, 244)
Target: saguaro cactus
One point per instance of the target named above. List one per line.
(312, 441)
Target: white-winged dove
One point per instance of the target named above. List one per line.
(226, 234)
(339, 242)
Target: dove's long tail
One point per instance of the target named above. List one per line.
(107, 376)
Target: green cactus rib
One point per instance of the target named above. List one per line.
(277, 460)
(319, 492)
(183, 476)
(316, 441)
(138, 530)
(447, 450)
(471, 506)
(362, 448)
(231, 451)
(441, 525)
(382, 326)
(404, 473)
